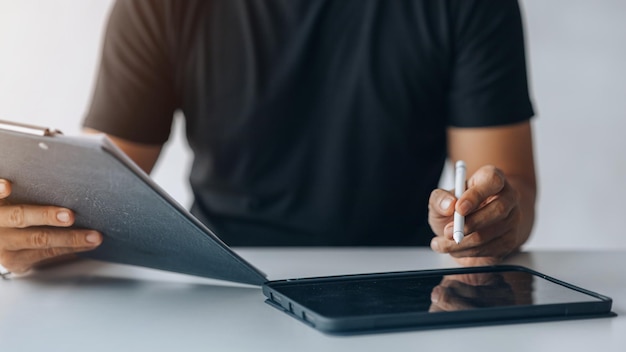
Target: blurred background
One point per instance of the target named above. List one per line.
(577, 64)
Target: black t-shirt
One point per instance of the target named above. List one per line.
(312, 122)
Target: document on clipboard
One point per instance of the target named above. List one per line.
(140, 223)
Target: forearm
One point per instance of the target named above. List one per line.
(144, 155)
(527, 194)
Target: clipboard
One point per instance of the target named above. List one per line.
(141, 224)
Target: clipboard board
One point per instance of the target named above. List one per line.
(140, 223)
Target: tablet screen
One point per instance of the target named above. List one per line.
(430, 293)
(435, 297)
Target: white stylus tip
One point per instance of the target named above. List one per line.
(458, 236)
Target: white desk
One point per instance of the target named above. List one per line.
(92, 306)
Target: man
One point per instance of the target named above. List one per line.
(317, 122)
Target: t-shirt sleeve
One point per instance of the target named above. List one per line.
(489, 81)
(134, 96)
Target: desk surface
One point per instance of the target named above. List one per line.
(93, 306)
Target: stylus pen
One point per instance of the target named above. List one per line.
(459, 188)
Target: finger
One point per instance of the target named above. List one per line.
(498, 247)
(473, 244)
(446, 244)
(461, 290)
(435, 297)
(434, 308)
(5, 188)
(441, 202)
(21, 261)
(470, 246)
(446, 299)
(493, 220)
(483, 184)
(499, 211)
(47, 237)
(475, 279)
(21, 216)
(478, 261)
(460, 295)
(440, 209)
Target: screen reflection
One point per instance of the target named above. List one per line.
(428, 294)
(481, 290)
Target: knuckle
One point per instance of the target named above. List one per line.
(491, 175)
(489, 170)
(500, 208)
(40, 239)
(445, 247)
(77, 240)
(51, 252)
(496, 177)
(477, 239)
(17, 216)
(480, 251)
(434, 196)
(46, 214)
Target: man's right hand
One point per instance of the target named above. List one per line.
(33, 234)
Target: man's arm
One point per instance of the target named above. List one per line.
(144, 155)
(499, 203)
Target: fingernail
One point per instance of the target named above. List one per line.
(445, 203)
(434, 294)
(3, 187)
(92, 237)
(63, 216)
(434, 245)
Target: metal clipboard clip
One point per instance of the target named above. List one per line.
(28, 129)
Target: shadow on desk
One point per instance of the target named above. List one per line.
(124, 299)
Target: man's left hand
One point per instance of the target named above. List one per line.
(492, 211)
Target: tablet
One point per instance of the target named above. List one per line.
(368, 303)
(140, 223)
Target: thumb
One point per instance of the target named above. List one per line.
(440, 210)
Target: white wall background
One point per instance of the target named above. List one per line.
(577, 60)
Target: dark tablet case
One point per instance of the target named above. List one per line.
(596, 306)
(141, 224)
